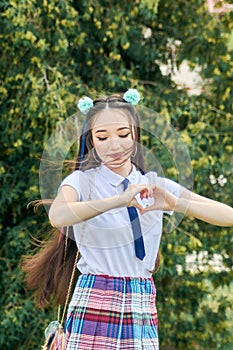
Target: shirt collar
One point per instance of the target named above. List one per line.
(116, 179)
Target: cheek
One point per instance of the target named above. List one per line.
(128, 143)
(100, 147)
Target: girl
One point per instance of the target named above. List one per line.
(115, 210)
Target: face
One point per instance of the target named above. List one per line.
(113, 139)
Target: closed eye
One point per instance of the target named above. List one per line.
(105, 138)
(124, 136)
(102, 138)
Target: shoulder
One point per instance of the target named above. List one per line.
(78, 180)
(79, 175)
(73, 177)
(152, 176)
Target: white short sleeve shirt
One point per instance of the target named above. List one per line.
(106, 241)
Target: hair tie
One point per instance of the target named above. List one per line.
(132, 96)
(85, 104)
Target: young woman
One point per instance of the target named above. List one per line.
(115, 210)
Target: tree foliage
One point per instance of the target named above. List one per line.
(53, 52)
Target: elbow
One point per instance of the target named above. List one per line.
(60, 217)
(55, 219)
(229, 223)
(228, 218)
(231, 219)
(226, 222)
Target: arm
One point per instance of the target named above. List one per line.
(205, 209)
(67, 210)
(194, 205)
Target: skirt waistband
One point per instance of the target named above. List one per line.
(120, 279)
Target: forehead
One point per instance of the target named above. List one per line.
(111, 117)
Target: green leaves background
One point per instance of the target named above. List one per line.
(52, 53)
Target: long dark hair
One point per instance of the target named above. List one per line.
(46, 272)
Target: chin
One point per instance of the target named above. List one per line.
(118, 163)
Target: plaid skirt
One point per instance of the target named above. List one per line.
(116, 313)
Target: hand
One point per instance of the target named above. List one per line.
(163, 199)
(130, 193)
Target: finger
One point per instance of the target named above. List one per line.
(134, 203)
(146, 209)
(136, 188)
(151, 192)
(144, 194)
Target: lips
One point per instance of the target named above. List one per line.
(115, 155)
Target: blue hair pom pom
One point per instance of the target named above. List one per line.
(85, 104)
(132, 96)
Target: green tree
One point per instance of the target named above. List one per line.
(53, 52)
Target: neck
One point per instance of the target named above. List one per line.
(122, 169)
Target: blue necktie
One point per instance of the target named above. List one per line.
(136, 227)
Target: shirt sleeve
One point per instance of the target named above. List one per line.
(72, 180)
(174, 187)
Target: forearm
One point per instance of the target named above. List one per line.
(215, 213)
(70, 213)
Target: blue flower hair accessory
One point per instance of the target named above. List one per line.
(85, 104)
(132, 96)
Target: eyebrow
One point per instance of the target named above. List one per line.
(119, 129)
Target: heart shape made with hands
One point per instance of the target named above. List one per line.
(144, 201)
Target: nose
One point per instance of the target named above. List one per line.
(114, 143)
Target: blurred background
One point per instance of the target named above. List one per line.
(178, 54)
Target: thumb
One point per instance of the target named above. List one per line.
(134, 203)
(146, 209)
